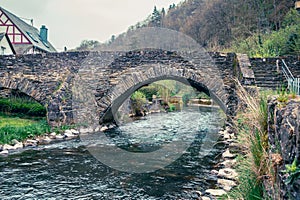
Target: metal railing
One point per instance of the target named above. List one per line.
(294, 85)
(285, 69)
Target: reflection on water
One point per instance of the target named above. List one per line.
(68, 171)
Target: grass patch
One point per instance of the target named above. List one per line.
(14, 121)
(20, 131)
(22, 118)
(249, 186)
(254, 165)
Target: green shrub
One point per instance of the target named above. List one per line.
(138, 99)
(172, 107)
(286, 41)
(149, 91)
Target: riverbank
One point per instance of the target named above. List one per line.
(46, 138)
(263, 140)
(225, 172)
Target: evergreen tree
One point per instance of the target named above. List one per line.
(155, 17)
(112, 39)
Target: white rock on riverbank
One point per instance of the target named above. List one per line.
(86, 130)
(7, 147)
(215, 192)
(30, 143)
(228, 163)
(38, 140)
(18, 145)
(69, 134)
(205, 198)
(59, 137)
(75, 132)
(226, 184)
(227, 154)
(228, 173)
(52, 135)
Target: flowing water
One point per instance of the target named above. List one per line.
(67, 170)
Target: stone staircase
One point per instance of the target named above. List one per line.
(269, 75)
(295, 70)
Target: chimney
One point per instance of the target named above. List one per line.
(44, 33)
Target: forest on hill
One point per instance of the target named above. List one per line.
(260, 28)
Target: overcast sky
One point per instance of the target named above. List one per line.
(71, 21)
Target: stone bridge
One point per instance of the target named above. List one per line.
(79, 86)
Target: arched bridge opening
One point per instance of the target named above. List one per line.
(131, 79)
(109, 114)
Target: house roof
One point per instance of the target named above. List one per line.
(4, 35)
(32, 33)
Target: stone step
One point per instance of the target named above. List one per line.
(267, 71)
(261, 82)
(269, 82)
(267, 75)
(272, 86)
(270, 77)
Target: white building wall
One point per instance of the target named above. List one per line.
(4, 47)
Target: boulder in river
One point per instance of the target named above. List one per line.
(103, 128)
(4, 152)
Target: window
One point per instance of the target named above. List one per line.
(32, 37)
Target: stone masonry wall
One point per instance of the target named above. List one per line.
(284, 140)
(49, 78)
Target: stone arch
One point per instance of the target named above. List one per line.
(49, 96)
(137, 77)
(30, 88)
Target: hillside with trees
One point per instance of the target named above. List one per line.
(260, 28)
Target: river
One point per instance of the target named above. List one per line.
(67, 170)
